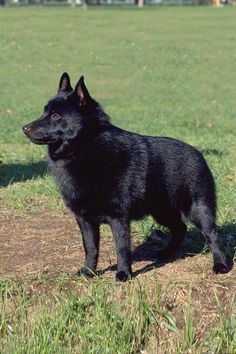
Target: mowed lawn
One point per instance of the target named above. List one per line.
(166, 71)
(161, 71)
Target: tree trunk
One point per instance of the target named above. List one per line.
(140, 3)
(85, 4)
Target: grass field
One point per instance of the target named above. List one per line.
(167, 71)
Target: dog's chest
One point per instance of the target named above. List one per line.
(71, 183)
(88, 190)
(81, 187)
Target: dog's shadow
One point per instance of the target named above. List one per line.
(193, 245)
(17, 172)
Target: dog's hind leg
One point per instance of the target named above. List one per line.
(91, 236)
(203, 218)
(121, 233)
(177, 235)
(171, 219)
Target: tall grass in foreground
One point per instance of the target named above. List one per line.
(58, 316)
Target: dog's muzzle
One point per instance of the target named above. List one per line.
(26, 128)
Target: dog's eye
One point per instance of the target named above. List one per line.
(55, 117)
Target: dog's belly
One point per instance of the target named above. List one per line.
(94, 206)
(139, 209)
(91, 206)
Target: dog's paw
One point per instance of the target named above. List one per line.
(220, 268)
(122, 276)
(86, 272)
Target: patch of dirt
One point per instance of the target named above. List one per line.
(52, 243)
(44, 242)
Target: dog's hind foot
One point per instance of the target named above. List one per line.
(220, 268)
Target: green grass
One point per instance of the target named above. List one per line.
(78, 317)
(157, 71)
(161, 71)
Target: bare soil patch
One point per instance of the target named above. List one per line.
(51, 243)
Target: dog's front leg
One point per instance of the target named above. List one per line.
(91, 236)
(121, 233)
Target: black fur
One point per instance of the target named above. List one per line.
(109, 175)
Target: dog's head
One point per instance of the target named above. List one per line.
(64, 119)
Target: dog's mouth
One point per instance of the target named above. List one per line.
(42, 141)
(39, 140)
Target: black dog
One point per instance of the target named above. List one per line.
(108, 175)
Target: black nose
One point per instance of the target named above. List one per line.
(26, 128)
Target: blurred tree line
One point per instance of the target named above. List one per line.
(86, 3)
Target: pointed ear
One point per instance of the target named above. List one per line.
(82, 93)
(64, 84)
